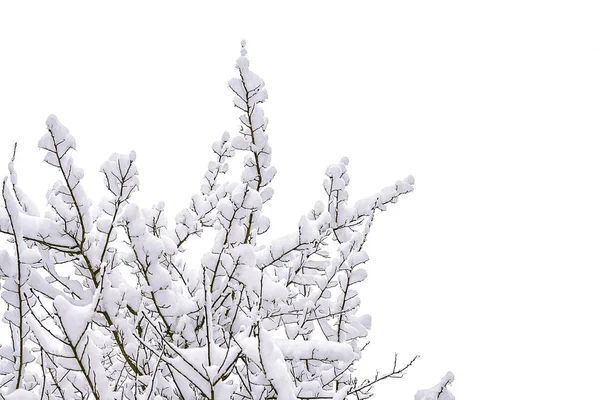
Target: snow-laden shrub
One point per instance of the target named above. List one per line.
(102, 305)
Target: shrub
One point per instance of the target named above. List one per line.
(101, 303)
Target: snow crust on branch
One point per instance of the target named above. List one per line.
(103, 302)
(439, 391)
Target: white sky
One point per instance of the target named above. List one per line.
(489, 269)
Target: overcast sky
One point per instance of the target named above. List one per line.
(489, 269)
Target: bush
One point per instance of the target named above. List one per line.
(101, 303)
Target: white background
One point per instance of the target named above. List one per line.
(489, 269)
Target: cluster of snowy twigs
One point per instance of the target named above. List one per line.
(102, 305)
